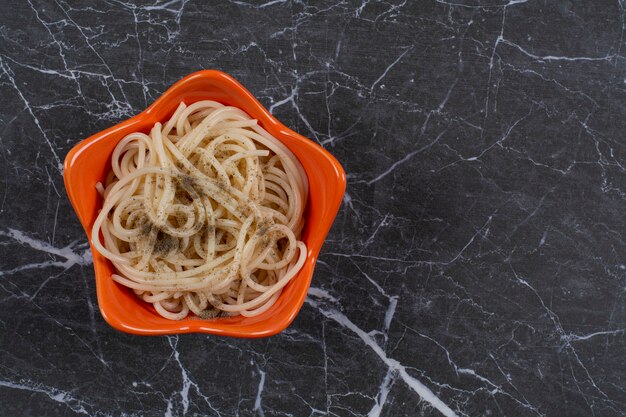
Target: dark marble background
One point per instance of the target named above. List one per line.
(479, 252)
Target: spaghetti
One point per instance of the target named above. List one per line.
(204, 214)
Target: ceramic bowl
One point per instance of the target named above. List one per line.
(89, 162)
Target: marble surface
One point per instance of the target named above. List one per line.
(477, 265)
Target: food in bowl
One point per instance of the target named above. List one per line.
(203, 215)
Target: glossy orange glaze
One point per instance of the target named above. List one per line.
(89, 162)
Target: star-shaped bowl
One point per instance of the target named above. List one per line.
(89, 162)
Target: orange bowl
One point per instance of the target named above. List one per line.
(89, 162)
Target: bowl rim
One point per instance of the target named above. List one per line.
(278, 322)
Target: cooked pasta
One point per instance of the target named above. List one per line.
(203, 214)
